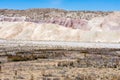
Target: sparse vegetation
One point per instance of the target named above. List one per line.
(45, 14)
(0, 68)
(34, 63)
(32, 77)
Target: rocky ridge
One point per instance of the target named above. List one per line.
(46, 14)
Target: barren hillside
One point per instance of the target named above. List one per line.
(101, 27)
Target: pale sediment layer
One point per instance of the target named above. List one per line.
(34, 31)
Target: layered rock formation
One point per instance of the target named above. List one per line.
(67, 22)
(103, 28)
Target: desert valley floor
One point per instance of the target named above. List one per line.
(50, 60)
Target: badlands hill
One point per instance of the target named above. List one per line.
(60, 25)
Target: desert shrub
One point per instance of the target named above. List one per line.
(0, 68)
(18, 58)
(32, 77)
(22, 58)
